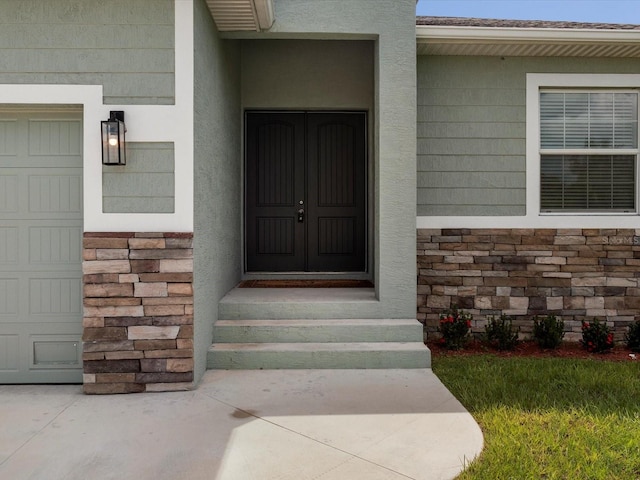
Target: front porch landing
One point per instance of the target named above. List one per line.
(296, 303)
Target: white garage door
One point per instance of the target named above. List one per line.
(40, 246)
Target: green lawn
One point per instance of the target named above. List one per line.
(549, 418)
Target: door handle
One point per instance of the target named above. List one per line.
(301, 215)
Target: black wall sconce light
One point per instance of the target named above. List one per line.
(113, 143)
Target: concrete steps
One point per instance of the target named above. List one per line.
(318, 343)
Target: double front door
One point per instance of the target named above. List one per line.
(306, 191)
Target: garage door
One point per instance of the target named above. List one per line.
(40, 246)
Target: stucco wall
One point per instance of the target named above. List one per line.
(307, 74)
(217, 240)
(391, 25)
(126, 46)
(471, 129)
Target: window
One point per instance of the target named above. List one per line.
(588, 151)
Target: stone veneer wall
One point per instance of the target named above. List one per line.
(571, 273)
(138, 312)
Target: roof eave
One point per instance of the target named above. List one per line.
(242, 15)
(529, 41)
(458, 34)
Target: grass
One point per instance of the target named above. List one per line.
(549, 418)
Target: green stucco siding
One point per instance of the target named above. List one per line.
(126, 46)
(390, 24)
(218, 194)
(307, 74)
(472, 129)
(145, 184)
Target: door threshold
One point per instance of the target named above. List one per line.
(308, 276)
(307, 283)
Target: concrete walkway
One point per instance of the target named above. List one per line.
(243, 425)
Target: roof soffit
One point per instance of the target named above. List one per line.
(508, 41)
(242, 15)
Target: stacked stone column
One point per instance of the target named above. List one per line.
(138, 312)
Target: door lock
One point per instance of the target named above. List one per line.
(301, 215)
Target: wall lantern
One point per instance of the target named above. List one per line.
(113, 139)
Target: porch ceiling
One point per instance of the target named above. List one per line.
(242, 15)
(527, 42)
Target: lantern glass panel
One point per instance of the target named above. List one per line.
(113, 142)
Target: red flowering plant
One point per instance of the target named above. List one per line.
(454, 327)
(596, 336)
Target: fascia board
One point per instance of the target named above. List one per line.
(448, 34)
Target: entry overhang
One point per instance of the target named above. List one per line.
(242, 15)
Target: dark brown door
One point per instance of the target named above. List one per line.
(305, 191)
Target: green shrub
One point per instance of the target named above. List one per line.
(632, 337)
(596, 336)
(500, 333)
(548, 331)
(454, 327)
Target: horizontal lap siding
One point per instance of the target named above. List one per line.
(126, 46)
(471, 137)
(472, 131)
(145, 184)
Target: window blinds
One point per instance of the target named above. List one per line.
(575, 128)
(588, 183)
(588, 120)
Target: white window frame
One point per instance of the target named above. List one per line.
(566, 82)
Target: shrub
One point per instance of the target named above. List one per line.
(454, 327)
(632, 337)
(500, 333)
(548, 331)
(596, 336)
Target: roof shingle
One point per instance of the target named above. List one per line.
(497, 23)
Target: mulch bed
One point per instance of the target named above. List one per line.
(531, 349)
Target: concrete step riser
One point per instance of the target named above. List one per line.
(293, 310)
(320, 333)
(251, 360)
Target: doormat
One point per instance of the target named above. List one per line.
(305, 284)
